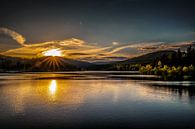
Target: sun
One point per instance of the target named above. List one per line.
(52, 52)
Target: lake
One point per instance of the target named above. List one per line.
(90, 100)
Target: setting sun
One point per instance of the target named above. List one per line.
(52, 52)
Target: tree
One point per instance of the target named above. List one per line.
(159, 64)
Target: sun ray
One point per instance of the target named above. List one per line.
(51, 63)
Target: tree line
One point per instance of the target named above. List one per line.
(176, 66)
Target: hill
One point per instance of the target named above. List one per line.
(59, 64)
(147, 58)
(41, 64)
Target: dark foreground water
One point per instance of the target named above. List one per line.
(90, 100)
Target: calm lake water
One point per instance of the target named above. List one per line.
(103, 100)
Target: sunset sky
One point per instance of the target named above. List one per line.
(95, 29)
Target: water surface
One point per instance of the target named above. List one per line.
(95, 100)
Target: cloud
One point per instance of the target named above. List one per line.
(138, 46)
(14, 35)
(70, 48)
(165, 46)
(81, 50)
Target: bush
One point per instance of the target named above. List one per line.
(169, 72)
(185, 69)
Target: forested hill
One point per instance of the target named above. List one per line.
(148, 58)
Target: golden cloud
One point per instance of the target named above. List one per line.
(78, 49)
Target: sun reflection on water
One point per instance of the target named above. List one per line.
(52, 90)
(52, 87)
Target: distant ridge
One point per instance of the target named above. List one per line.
(8, 63)
(66, 61)
(147, 58)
